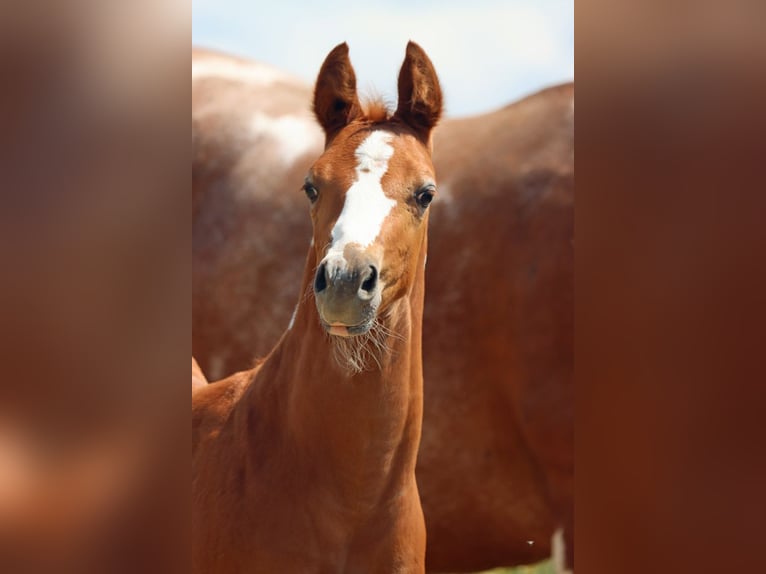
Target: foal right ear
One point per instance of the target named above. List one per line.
(335, 99)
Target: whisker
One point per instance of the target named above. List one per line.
(365, 352)
(388, 332)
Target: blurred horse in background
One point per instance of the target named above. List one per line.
(198, 377)
(495, 468)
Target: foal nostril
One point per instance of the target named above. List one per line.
(370, 280)
(320, 282)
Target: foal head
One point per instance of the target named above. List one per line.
(370, 191)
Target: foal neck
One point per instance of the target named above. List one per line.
(361, 431)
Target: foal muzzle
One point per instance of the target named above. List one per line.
(347, 293)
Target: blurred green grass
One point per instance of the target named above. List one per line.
(541, 568)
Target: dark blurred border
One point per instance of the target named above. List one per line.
(94, 286)
(670, 283)
(94, 295)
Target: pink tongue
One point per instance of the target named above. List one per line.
(339, 330)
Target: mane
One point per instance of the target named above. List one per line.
(376, 110)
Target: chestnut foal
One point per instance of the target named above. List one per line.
(306, 463)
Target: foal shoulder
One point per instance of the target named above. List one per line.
(213, 403)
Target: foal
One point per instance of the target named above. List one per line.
(306, 463)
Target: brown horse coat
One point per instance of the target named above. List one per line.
(306, 463)
(495, 467)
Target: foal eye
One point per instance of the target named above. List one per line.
(424, 196)
(311, 192)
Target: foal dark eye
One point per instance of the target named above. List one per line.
(310, 191)
(424, 196)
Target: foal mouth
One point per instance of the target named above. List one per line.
(343, 330)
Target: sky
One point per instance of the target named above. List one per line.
(487, 53)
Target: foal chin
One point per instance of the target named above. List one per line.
(348, 293)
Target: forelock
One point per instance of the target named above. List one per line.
(376, 110)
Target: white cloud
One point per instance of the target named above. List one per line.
(487, 53)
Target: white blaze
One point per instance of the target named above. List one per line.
(366, 206)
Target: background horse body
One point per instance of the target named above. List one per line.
(198, 377)
(495, 467)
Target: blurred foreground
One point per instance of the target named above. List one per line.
(94, 295)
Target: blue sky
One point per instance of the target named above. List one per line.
(487, 52)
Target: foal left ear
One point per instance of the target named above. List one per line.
(420, 95)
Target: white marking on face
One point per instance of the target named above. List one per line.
(294, 135)
(245, 72)
(559, 555)
(367, 205)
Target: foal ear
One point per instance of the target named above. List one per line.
(335, 99)
(420, 95)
